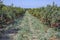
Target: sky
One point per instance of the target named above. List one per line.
(31, 3)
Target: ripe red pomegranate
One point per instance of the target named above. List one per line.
(56, 25)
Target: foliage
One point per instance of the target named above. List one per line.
(32, 23)
(46, 14)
